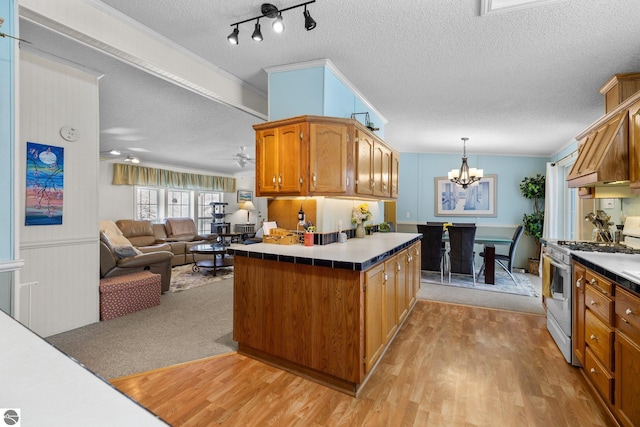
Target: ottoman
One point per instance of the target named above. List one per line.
(120, 295)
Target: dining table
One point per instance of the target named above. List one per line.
(489, 253)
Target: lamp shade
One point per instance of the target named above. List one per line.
(248, 206)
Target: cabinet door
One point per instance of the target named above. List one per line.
(267, 153)
(327, 158)
(627, 380)
(416, 266)
(579, 284)
(374, 303)
(381, 170)
(390, 295)
(290, 149)
(364, 164)
(403, 284)
(634, 148)
(395, 170)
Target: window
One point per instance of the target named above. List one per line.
(178, 204)
(203, 210)
(147, 203)
(155, 204)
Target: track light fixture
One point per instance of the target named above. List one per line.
(132, 159)
(270, 11)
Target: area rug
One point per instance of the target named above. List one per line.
(503, 282)
(183, 277)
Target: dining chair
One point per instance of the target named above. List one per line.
(501, 259)
(461, 255)
(464, 224)
(432, 255)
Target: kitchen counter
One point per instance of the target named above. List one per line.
(354, 254)
(624, 269)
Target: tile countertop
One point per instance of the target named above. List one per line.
(624, 269)
(354, 254)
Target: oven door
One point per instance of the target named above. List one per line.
(560, 280)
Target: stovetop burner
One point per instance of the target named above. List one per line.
(607, 247)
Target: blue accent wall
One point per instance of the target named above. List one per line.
(7, 89)
(296, 93)
(417, 185)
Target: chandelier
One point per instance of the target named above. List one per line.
(465, 176)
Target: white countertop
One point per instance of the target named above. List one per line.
(623, 265)
(51, 389)
(355, 250)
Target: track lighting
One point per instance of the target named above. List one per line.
(270, 11)
(233, 37)
(132, 159)
(257, 34)
(309, 23)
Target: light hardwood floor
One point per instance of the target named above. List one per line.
(450, 365)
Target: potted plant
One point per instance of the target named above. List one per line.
(532, 187)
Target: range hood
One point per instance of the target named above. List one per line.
(603, 153)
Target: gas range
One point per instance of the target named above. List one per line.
(589, 246)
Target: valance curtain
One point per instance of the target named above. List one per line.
(124, 174)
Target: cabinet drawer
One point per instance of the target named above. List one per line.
(599, 303)
(598, 375)
(628, 313)
(605, 285)
(599, 338)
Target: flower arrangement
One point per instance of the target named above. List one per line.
(360, 214)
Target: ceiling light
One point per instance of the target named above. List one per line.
(270, 11)
(233, 37)
(257, 34)
(309, 23)
(278, 24)
(132, 159)
(465, 176)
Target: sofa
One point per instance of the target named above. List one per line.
(175, 235)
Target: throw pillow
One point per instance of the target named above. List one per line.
(125, 251)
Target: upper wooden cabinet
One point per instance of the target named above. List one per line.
(279, 160)
(331, 157)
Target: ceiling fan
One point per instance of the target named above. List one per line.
(243, 158)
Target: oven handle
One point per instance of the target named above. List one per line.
(563, 267)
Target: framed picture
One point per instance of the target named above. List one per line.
(45, 184)
(245, 196)
(478, 199)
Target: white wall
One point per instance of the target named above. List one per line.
(58, 286)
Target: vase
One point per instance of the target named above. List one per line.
(360, 230)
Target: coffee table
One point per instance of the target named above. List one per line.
(218, 253)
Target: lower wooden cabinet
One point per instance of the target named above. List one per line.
(627, 380)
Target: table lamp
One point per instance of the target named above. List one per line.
(248, 206)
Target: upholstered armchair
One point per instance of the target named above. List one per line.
(119, 261)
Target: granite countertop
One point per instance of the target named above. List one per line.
(623, 269)
(355, 254)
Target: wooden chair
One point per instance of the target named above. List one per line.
(508, 259)
(461, 255)
(432, 255)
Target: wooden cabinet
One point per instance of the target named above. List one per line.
(391, 296)
(579, 283)
(328, 147)
(364, 163)
(279, 160)
(323, 156)
(627, 361)
(395, 171)
(634, 148)
(607, 342)
(375, 336)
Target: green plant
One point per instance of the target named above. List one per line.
(532, 188)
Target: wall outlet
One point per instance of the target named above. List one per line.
(408, 214)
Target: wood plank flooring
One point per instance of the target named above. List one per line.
(450, 365)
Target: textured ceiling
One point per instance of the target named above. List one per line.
(523, 82)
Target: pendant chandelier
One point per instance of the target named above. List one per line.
(465, 176)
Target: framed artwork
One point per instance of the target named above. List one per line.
(45, 189)
(478, 199)
(245, 196)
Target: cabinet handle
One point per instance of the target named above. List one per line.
(593, 302)
(398, 266)
(579, 282)
(314, 179)
(628, 311)
(373, 184)
(593, 281)
(385, 277)
(624, 320)
(280, 179)
(593, 337)
(274, 181)
(593, 371)
(347, 182)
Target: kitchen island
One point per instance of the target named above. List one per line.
(325, 312)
